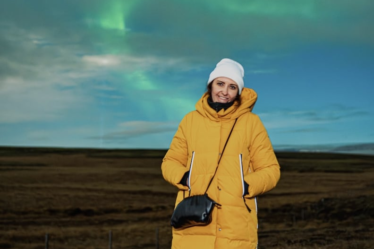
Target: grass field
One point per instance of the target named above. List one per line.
(78, 195)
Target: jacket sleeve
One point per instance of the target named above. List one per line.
(174, 163)
(266, 169)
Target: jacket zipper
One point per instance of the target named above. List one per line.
(189, 178)
(242, 176)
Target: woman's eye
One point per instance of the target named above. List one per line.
(233, 87)
(220, 83)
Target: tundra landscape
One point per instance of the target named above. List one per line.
(79, 196)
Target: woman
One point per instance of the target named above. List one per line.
(247, 169)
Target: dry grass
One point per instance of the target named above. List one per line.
(77, 196)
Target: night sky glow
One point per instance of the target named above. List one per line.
(122, 74)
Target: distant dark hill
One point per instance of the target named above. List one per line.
(359, 149)
(367, 148)
(113, 153)
(348, 152)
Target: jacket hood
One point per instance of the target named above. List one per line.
(248, 99)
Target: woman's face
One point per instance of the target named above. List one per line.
(224, 90)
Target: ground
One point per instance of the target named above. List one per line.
(79, 196)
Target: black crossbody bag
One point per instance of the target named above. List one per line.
(196, 210)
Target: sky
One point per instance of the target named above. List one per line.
(123, 73)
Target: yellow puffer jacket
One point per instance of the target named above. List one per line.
(248, 157)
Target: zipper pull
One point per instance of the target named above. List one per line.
(249, 210)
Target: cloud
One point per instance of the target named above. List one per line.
(306, 118)
(90, 39)
(38, 83)
(192, 29)
(263, 71)
(267, 25)
(50, 82)
(24, 59)
(306, 130)
(103, 60)
(25, 101)
(38, 135)
(131, 129)
(104, 87)
(135, 64)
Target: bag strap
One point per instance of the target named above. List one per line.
(219, 160)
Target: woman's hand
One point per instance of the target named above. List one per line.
(185, 179)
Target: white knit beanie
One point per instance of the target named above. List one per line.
(230, 69)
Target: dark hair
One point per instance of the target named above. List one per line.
(209, 91)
